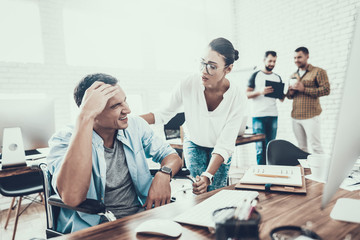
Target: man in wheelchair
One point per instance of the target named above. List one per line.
(103, 157)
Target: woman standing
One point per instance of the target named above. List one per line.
(214, 108)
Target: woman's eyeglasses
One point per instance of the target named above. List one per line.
(210, 67)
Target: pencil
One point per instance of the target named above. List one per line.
(271, 175)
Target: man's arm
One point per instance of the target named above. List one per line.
(172, 161)
(160, 152)
(290, 93)
(160, 190)
(74, 176)
(252, 94)
(284, 95)
(323, 88)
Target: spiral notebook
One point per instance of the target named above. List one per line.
(277, 178)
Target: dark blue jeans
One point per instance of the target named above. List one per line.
(267, 126)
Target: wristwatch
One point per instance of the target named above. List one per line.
(209, 176)
(166, 170)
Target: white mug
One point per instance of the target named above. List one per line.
(319, 165)
(292, 81)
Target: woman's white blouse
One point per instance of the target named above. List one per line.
(216, 129)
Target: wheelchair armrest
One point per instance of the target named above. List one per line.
(181, 173)
(90, 206)
(153, 171)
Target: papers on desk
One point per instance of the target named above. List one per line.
(352, 182)
(273, 174)
(304, 163)
(346, 209)
(202, 213)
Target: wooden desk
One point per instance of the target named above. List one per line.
(250, 138)
(240, 140)
(276, 209)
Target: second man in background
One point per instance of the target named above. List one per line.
(264, 110)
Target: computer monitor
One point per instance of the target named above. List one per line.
(33, 114)
(346, 148)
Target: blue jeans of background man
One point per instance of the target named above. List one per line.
(197, 159)
(267, 126)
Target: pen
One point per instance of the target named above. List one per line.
(271, 175)
(354, 184)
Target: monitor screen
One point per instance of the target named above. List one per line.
(34, 115)
(346, 148)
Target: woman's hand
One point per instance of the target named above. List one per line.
(201, 184)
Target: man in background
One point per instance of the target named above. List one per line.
(311, 83)
(103, 157)
(264, 109)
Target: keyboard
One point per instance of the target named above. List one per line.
(202, 213)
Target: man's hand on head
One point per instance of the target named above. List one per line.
(159, 192)
(96, 97)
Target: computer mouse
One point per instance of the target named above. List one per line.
(160, 227)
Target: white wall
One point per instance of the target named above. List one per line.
(325, 27)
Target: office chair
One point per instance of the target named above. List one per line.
(20, 186)
(53, 203)
(182, 173)
(281, 152)
(172, 130)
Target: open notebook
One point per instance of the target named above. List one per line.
(273, 174)
(202, 213)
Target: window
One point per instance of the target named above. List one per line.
(103, 33)
(21, 39)
(165, 35)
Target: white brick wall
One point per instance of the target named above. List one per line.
(325, 27)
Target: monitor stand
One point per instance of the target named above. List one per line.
(13, 153)
(346, 209)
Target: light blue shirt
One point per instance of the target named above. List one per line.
(139, 143)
